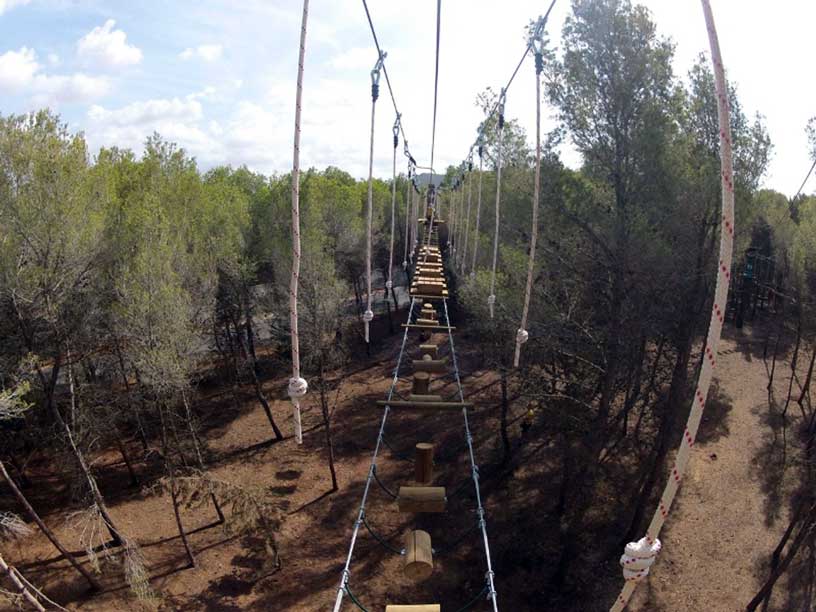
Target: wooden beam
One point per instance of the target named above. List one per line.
(421, 405)
(413, 608)
(422, 499)
(436, 327)
(418, 564)
(433, 322)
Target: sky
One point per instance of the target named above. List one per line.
(218, 76)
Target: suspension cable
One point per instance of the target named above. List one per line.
(343, 588)
(480, 512)
(384, 69)
(436, 83)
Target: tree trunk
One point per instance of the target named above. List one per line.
(805, 531)
(505, 409)
(250, 333)
(199, 457)
(259, 393)
(324, 404)
(806, 387)
(674, 404)
(13, 575)
(171, 474)
(92, 582)
(130, 408)
(134, 481)
(794, 363)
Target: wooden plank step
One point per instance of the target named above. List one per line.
(435, 366)
(432, 298)
(427, 322)
(431, 350)
(435, 406)
(421, 499)
(436, 327)
(413, 608)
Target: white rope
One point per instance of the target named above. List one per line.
(463, 260)
(297, 385)
(478, 213)
(388, 284)
(368, 315)
(715, 324)
(491, 299)
(522, 334)
(407, 236)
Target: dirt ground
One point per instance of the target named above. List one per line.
(721, 530)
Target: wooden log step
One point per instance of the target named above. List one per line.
(423, 463)
(427, 322)
(432, 350)
(418, 560)
(435, 366)
(421, 499)
(434, 406)
(421, 383)
(428, 313)
(413, 608)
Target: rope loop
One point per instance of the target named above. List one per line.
(375, 76)
(368, 316)
(638, 557)
(522, 336)
(298, 387)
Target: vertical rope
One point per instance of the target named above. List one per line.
(491, 299)
(389, 286)
(478, 212)
(368, 316)
(522, 334)
(297, 385)
(651, 541)
(463, 261)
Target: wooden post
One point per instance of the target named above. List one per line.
(422, 382)
(418, 555)
(423, 466)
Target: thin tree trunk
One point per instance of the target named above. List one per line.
(134, 481)
(259, 393)
(806, 387)
(92, 582)
(12, 573)
(171, 474)
(505, 408)
(767, 588)
(199, 457)
(794, 363)
(327, 425)
(135, 412)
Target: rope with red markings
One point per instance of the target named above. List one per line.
(297, 385)
(640, 555)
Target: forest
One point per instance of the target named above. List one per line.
(147, 450)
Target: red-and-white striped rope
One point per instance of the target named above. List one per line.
(297, 385)
(717, 312)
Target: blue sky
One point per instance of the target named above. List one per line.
(218, 77)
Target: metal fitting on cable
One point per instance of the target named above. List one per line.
(375, 76)
(396, 130)
(502, 99)
(481, 151)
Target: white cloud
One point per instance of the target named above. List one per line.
(148, 112)
(21, 73)
(107, 48)
(17, 69)
(7, 5)
(54, 59)
(207, 53)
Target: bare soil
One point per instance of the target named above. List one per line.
(723, 526)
